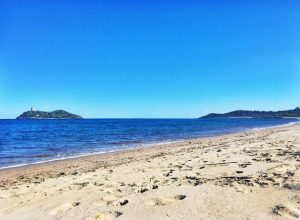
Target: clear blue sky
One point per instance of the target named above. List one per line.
(148, 58)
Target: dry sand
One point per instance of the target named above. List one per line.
(251, 175)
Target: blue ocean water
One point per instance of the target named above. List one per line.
(32, 141)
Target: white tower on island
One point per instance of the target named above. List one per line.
(32, 109)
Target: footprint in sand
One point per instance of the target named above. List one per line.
(165, 201)
(108, 215)
(120, 202)
(62, 208)
(101, 202)
(110, 198)
(285, 212)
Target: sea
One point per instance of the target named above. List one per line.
(24, 142)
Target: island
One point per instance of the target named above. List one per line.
(57, 114)
(295, 113)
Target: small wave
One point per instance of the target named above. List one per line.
(89, 154)
(125, 142)
(51, 160)
(41, 156)
(276, 126)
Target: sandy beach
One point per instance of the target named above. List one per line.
(249, 175)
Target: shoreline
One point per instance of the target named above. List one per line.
(92, 154)
(149, 145)
(244, 175)
(106, 155)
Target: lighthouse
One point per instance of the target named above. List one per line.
(32, 109)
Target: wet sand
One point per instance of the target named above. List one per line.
(249, 175)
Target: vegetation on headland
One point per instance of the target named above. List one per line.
(257, 114)
(57, 114)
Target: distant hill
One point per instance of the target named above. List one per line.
(257, 114)
(57, 114)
